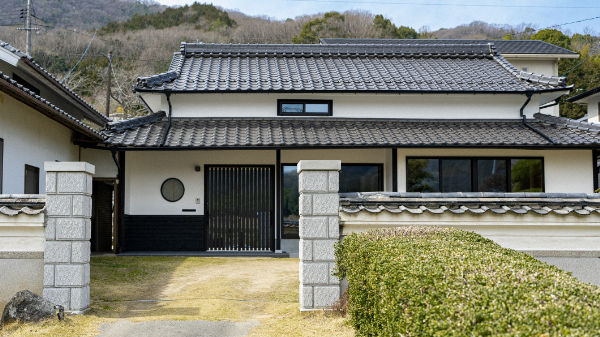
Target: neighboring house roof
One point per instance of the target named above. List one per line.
(88, 109)
(17, 91)
(471, 202)
(502, 46)
(439, 68)
(282, 132)
(577, 98)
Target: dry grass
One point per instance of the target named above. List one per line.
(233, 289)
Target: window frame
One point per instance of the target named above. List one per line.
(36, 170)
(1, 163)
(182, 187)
(474, 173)
(280, 102)
(380, 182)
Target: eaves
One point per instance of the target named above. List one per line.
(49, 112)
(390, 92)
(541, 56)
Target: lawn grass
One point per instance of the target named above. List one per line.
(214, 289)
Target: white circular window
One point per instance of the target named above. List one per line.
(172, 189)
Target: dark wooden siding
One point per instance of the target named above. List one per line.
(163, 233)
(102, 221)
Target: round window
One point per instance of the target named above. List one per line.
(172, 189)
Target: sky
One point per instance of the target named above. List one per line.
(433, 13)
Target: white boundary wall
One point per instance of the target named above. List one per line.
(21, 255)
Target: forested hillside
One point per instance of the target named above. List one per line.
(143, 37)
(88, 14)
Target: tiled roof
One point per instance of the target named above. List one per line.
(502, 46)
(37, 67)
(588, 93)
(355, 132)
(136, 121)
(15, 204)
(48, 108)
(476, 203)
(351, 68)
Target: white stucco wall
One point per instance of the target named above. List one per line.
(102, 160)
(593, 107)
(529, 232)
(434, 106)
(30, 138)
(566, 171)
(539, 66)
(535, 65)
(146, 171)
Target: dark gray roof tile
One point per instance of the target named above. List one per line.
(503, 46)
(281, 68)
(343, 132)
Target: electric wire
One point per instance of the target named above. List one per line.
(86, 49)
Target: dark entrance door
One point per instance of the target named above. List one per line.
(239, 205)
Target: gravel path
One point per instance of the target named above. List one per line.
(177, 328)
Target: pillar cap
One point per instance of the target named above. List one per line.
(319, 165)
(69, 166)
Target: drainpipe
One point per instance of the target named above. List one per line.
(168, 94)
(529, 94)
(556, 102)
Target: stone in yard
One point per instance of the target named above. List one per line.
(25, 307)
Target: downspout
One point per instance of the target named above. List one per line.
(556, 102)
(529, 94)
(113, 151)
(168, 94)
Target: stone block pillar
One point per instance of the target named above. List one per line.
(68, 231)
(319, 231)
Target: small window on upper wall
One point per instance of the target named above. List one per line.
(32, 180)
(288, 107)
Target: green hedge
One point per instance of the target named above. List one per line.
(420, 281)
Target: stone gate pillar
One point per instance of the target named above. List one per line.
(319, 231)
(68, 231)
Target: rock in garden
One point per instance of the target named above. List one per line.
(25, 307)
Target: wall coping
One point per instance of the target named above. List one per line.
(403, 196)
(69, 166)
(319, 165)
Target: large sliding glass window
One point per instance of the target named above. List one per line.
(475, 175)
(353, 178)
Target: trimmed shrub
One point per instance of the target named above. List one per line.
(429, 281)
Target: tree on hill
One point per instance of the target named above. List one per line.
(204, 16)
(330, 25)
(553, 36)
(387, 30)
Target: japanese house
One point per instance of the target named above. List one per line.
(212, 166)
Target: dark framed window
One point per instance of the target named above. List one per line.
(1, 162)
(304, 107)
(26, 84)
(456, 174)
(32, 180)
(172, 189)
(353, 178)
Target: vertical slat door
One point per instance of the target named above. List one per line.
(239, 208)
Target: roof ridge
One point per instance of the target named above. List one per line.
(47, 103)
(136, 121)
(568, 122)
(531, 77)
(30, 60)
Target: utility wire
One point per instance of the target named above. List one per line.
(580, 63)
(86, 49)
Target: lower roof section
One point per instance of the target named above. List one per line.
(280, 132)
